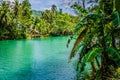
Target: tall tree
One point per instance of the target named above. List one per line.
(25, 18)
(54, 9)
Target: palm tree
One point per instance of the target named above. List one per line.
(14, 21)
(54, 9)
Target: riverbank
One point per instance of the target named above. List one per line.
(29, 37)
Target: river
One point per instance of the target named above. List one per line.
(37, 59)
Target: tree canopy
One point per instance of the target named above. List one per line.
(18, 21)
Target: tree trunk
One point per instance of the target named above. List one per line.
(93, 67)
(113, 41)
(104, 65)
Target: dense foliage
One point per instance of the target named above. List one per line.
(56, 22)
(98, 41)
(18, 21)
(14, 19)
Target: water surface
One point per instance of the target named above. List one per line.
(38, 59)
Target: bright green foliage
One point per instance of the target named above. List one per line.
(116, 18)
(114, 54)
(18, 21)
(15, 20)
(92, 54)
(98, 41)
(59, 24)
(42, 26)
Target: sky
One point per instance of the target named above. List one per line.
(63, 4)
(46, 4)
(41, 5)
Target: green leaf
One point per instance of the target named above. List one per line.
(79, 25)
(113, 53)
(84, 19)
(77, 42)
(116, 18)
(117, 5)
(92, 54)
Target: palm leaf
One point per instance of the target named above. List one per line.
(92, 54)
(117, 5)
(69, 40)
(79, 8)
(80, 24)
(82, 48)
(77, 42)
(114, 54)
(84, 19)
(116, 18)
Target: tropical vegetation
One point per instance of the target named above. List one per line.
(19, 21)
(97, 42)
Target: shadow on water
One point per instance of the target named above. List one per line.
(38, 59)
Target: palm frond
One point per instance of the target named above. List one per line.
(69, 40)
(77, 42)
(79, 8)
(116, 18)
(84, 19)
(114, 54)
(79, 25)
(92, 54)
(117, 5)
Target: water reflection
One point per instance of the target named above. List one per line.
(15, 60)
(39, 59)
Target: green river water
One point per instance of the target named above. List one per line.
(37, 59)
